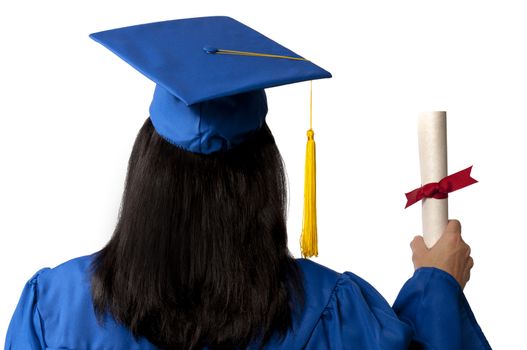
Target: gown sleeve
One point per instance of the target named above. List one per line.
(433, 304)
(26, 330)
(430, 313)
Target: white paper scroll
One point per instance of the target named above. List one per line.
(432, 134)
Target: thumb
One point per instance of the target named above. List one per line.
(418, 245)
(453, 226)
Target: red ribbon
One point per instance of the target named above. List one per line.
(441, 189)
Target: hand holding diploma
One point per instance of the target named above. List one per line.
(450, 253)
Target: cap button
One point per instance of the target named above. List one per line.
(209, 49)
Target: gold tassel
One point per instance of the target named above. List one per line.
(308, 239)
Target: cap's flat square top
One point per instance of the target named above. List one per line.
(173, 54)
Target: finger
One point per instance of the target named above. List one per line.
(466, 278)
(418, 244)
(453, 226)
(470, 263)
(469, 250)
(468, 267)
(450, 239)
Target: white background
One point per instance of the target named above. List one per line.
(70, 111)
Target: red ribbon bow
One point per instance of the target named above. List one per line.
(441, 189)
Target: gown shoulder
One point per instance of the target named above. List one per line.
(55, 311)
(343, 311)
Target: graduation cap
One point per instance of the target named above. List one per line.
(210, 75)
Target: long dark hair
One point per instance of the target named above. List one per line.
(199, 254)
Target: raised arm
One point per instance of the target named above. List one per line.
(432, 301)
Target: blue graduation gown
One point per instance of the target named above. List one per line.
(342, 312)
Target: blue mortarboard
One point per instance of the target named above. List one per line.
(210, 75)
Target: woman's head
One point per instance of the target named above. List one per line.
(199, 254)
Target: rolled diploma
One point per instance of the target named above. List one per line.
(432, 136)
